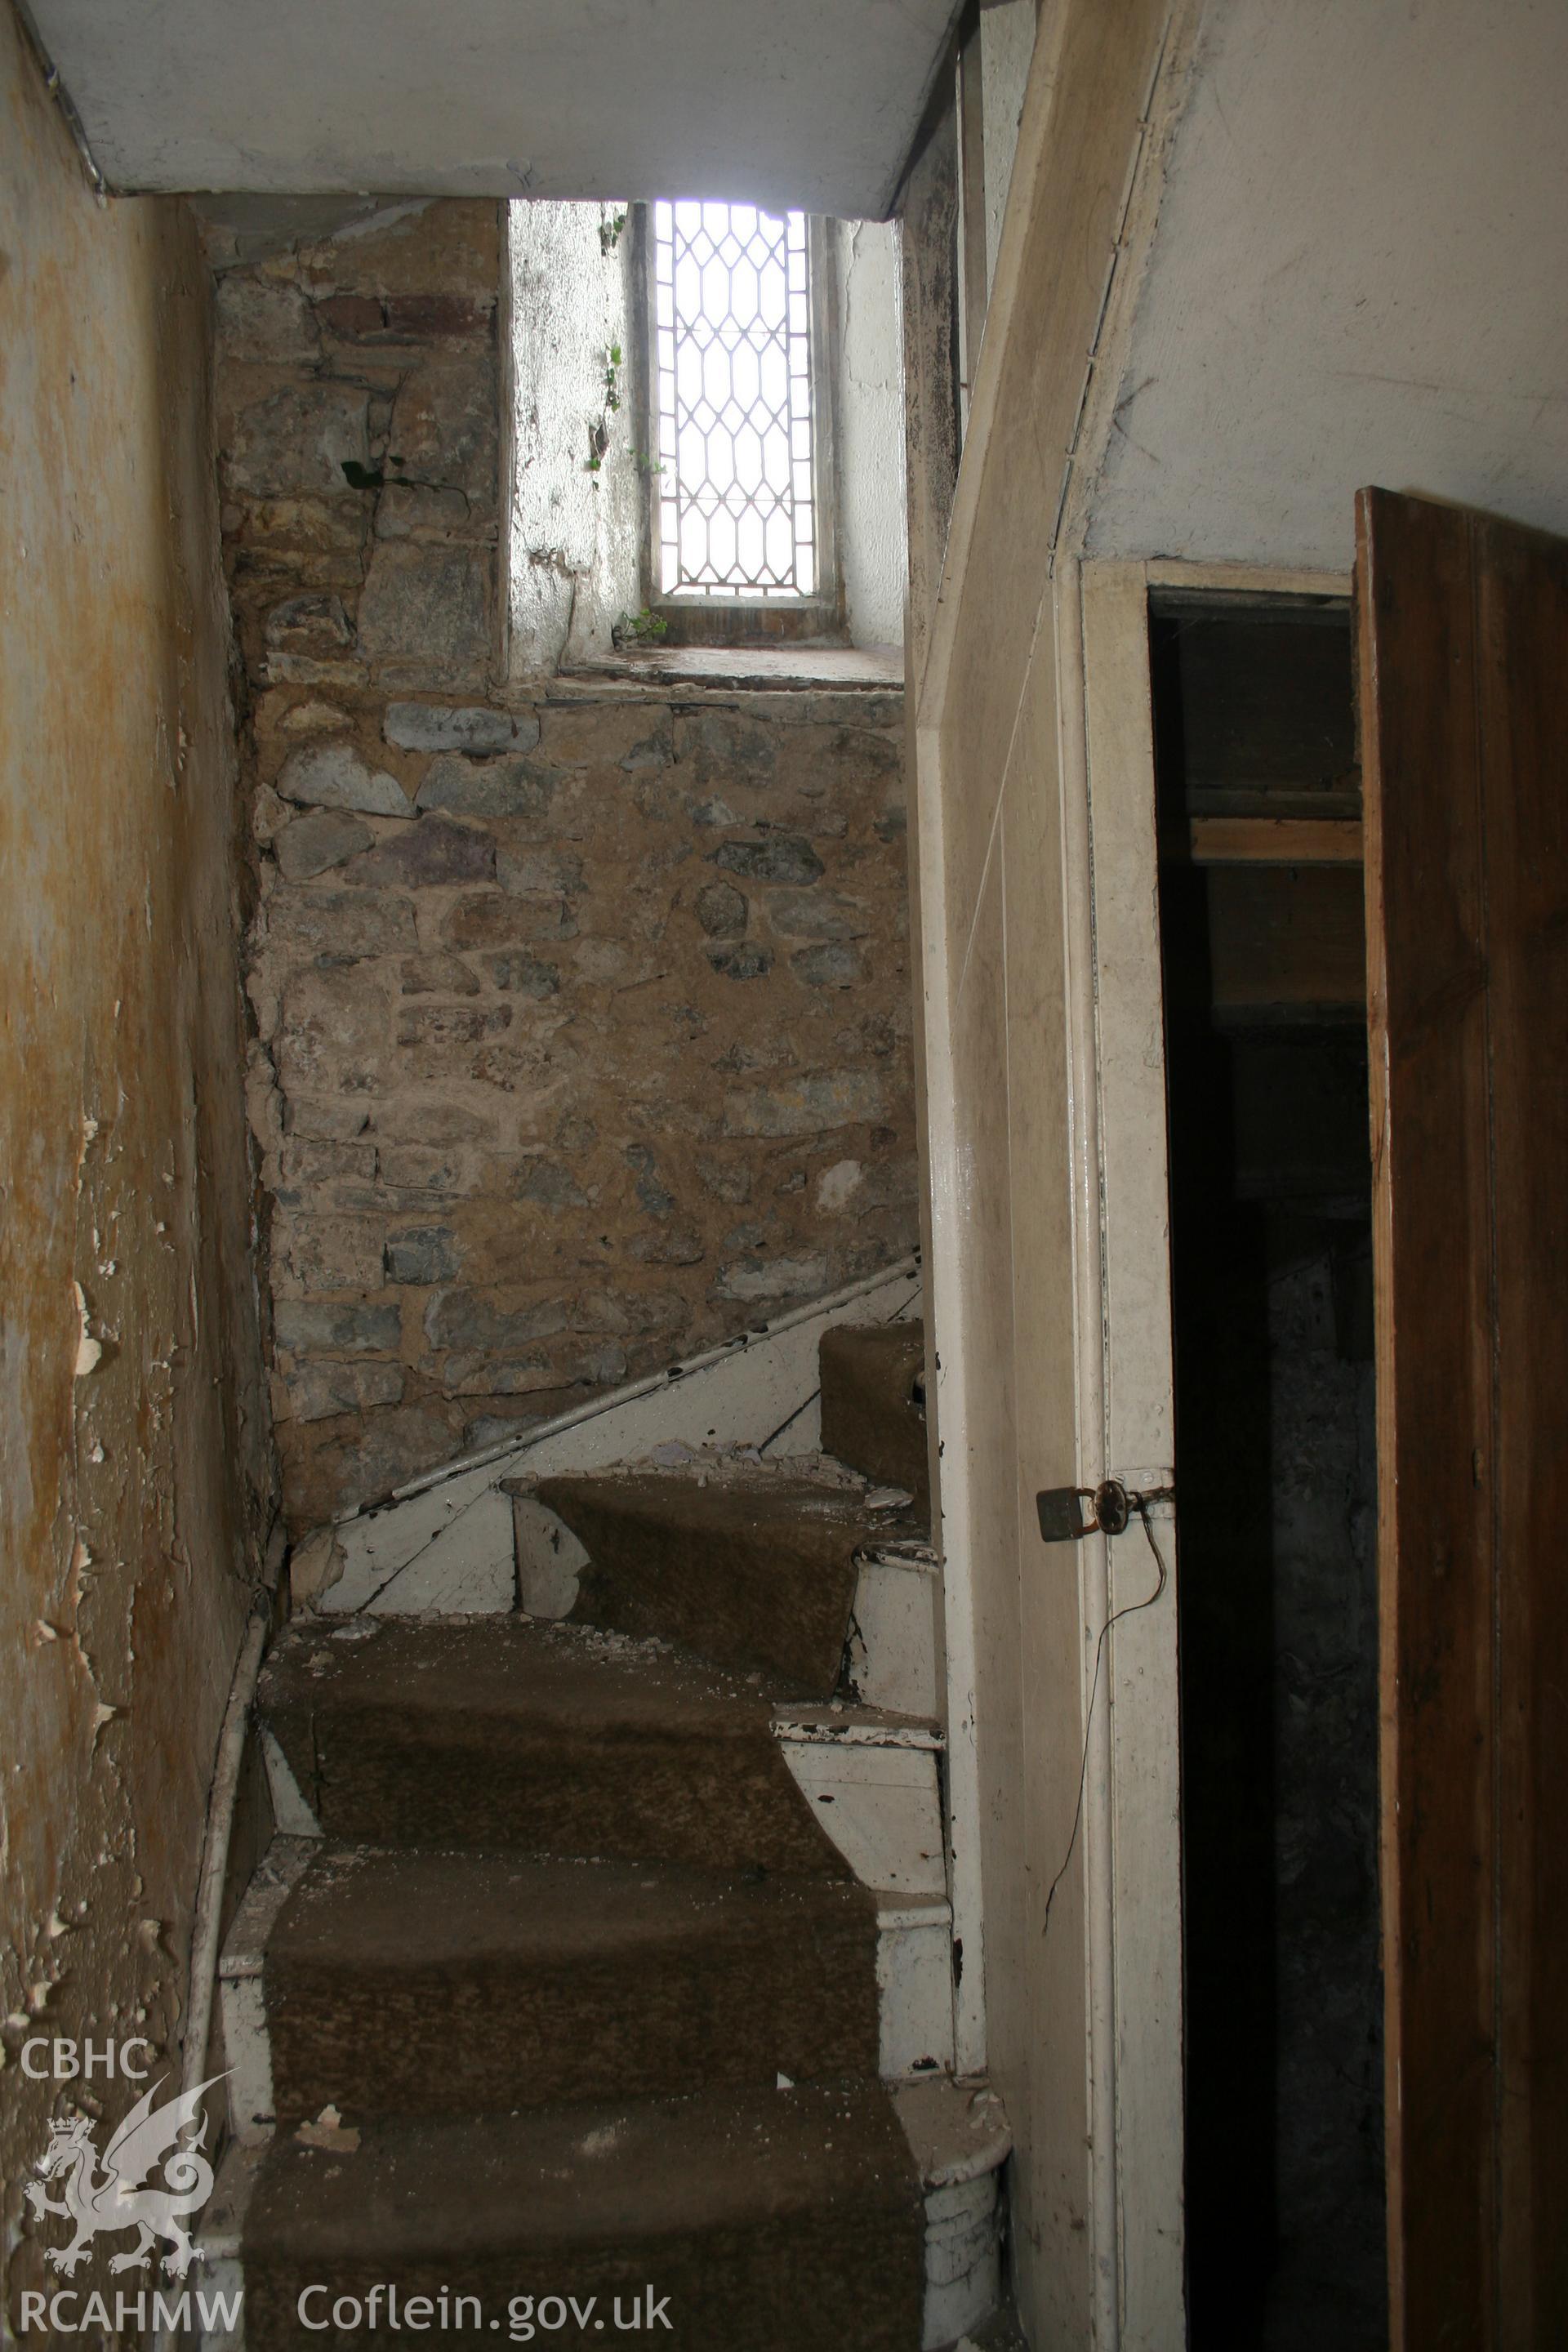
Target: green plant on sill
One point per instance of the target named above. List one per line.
(644, 628)
(610, 228)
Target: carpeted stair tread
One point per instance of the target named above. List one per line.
(415, 1983)
(869, 1419)
(753, 1573)
(785, 2220)
(496, 1734)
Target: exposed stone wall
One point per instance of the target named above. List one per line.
(582, 1018)
(358, 425)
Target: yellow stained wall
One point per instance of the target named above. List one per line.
(136, 1477)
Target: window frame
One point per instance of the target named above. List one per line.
(690, 616)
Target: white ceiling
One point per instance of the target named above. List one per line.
(807, 103)
(1357, 276)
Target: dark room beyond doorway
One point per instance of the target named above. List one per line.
(1264, 976)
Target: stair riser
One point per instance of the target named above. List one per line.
(881, 1807)
(419, 2043)
(914, 1993)
(724, 1804)
(964, 2260)
(892, 1656)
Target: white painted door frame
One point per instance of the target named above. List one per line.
(1136, 1763)
(1121, 1221)
(1120, 1291)
(1131, 1821)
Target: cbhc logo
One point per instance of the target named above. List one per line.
(71, 2061)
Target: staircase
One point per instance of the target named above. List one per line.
(600, 1972)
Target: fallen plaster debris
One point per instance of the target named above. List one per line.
(328, 2132)
(745, 1465)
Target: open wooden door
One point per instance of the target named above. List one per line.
(1463, 625)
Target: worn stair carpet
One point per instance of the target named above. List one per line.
(494, 1734)
(558, 1980)
(757, 1573)
(572, 2011)
(778, 2220)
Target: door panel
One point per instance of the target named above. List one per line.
(1463, 645)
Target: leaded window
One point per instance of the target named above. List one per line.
(735, 508)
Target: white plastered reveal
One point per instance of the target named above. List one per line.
(575, 530)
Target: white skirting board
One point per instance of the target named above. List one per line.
(443, 1544)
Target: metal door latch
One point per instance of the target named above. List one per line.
(1062, 1516)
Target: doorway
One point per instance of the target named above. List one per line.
(1262, 951)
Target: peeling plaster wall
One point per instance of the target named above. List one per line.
(583, 1006)
(135, 1459)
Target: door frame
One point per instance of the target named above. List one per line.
(1127, 1372)
(1126, 1385)
(1112, 993)
(1034, 866)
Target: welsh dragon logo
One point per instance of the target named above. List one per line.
(115, 2196)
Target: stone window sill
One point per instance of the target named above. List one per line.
(740, 666)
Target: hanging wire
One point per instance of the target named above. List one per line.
(1140, 1504)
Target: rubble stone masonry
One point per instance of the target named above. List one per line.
(582, 1032)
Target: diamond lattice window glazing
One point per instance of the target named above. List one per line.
(732, 329)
